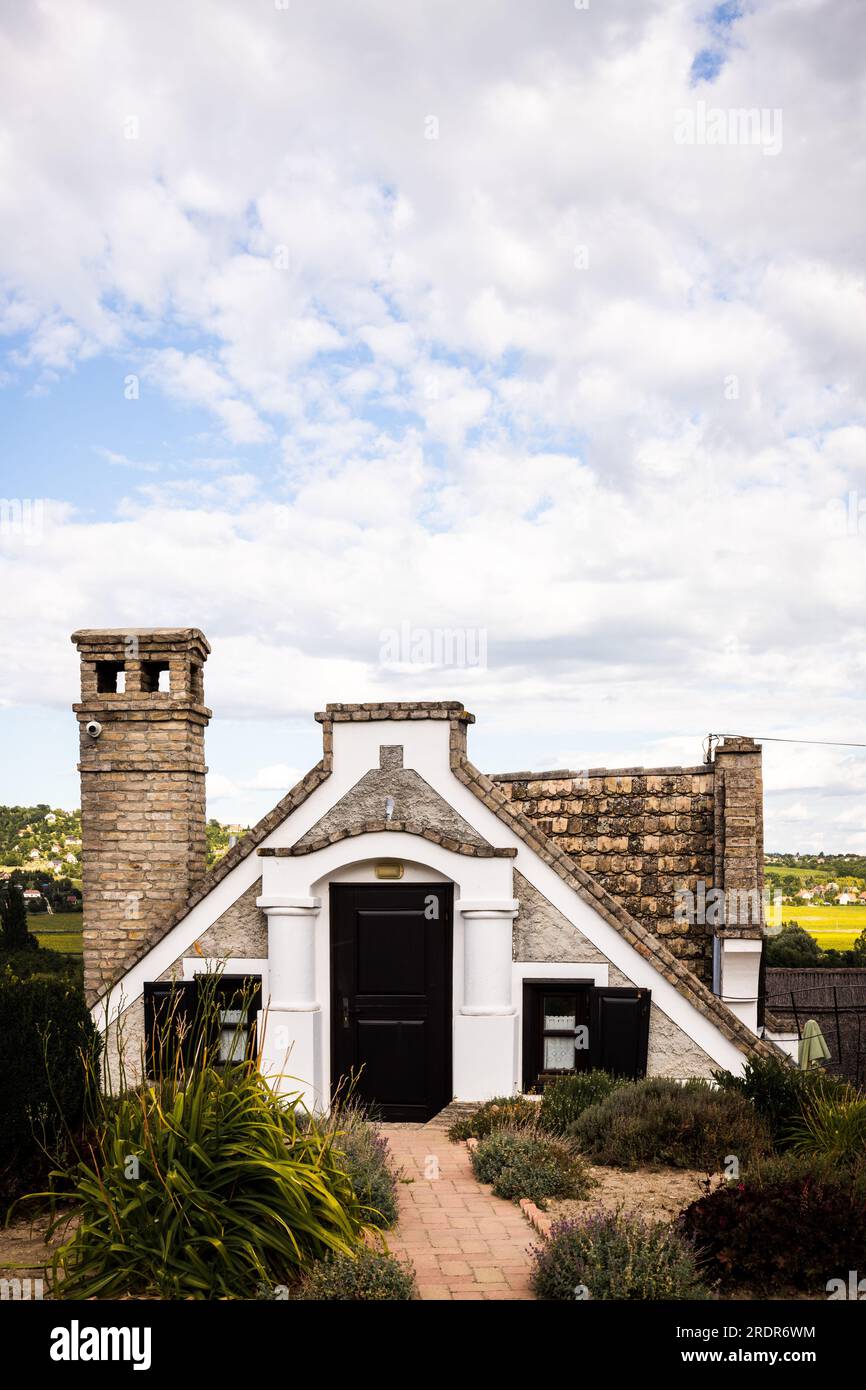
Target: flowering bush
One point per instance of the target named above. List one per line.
(521, 1164)
(610, 1255)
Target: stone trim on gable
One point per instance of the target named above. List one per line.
(395, 709)
(375, 827)
(568, 774)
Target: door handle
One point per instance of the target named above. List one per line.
(345, 1011)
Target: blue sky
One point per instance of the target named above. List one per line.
(553, 378)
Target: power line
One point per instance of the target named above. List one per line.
(771, 738)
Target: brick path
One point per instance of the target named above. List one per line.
(464, 1242)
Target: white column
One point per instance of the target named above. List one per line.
(485, 1029)
(292, 1050)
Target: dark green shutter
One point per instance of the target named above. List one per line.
(619, 1030)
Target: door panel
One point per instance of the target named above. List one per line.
(394, 1053)
(391, 1006)
(391, 954)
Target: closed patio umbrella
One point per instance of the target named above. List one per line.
(812, 1049)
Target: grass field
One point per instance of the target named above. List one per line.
(58, 931)
(834, 928)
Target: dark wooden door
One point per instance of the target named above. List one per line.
(391, 996)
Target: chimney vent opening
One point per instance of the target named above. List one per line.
(155, 676)
(110, 677)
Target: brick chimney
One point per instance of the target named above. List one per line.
(739, 870)
(141, 721)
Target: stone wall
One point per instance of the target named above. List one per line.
(413, 800)
(643, 833)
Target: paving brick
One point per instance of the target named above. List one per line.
(465, 1244)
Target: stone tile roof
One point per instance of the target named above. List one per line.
(637, 935)
(565, 773)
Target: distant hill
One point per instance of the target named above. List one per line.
(220, 838)
(821, 866)
(48, 838)
(41, 837)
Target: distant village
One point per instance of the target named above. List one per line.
(830, 893)
(835, 880)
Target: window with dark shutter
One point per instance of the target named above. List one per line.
(556, 1016)
(169, 1019)
(212, 1014)
(572, 1025)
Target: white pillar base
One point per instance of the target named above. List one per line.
(292, 1053)
(485, 1056)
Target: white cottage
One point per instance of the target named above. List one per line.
(401, 916)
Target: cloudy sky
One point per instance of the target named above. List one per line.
(441, 350)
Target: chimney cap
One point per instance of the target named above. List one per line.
(165, 636)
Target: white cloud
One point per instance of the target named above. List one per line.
(550, 375)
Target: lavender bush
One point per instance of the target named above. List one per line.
(612, 1255)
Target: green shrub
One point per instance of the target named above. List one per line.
(779, 1093)
(46, 1033)
(833, 1127)
(14, 933)
(564, 1099)
(610, 1255)
(792, 947)
(43, 963)
(503, 1112)
(372, 1276)
(521, 1164)
(793, 1222)
(657, 1121)
(201, 1186)
(362, 1150)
